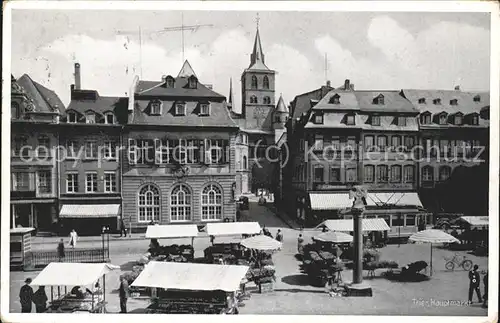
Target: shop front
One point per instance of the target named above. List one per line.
(88, 219)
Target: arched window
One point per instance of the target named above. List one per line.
(444, 173)
(427, 174)
(149, 204)
(254, 82)
(180, 203)
(265, 82)
(245, 162)
(253, 99)
(211, 203)
(267, 100)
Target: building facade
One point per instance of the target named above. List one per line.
(35, 111)
(179, 165)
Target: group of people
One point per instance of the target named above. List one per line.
(61, 253)
(474, 283)
(27, 298)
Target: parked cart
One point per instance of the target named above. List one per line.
(86, 282)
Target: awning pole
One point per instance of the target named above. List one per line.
(431, 259)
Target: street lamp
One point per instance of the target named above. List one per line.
(105, 238)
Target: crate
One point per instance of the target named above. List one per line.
(266, 288)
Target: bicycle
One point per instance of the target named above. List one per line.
(458, 260)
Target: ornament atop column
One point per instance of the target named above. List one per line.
(359, 194)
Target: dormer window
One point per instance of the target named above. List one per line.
(180, 109)
(169, 83)
(335, 99)
(458, 119)
(421, 101)
(204, 109)
(453, 102)
(401, 121)
(193, 82)
(379, 99)
(318, 118)
(425, 118)
(72, 117)
(349, 120)
(109, 118)
(90, 117)
(436, 101)
(477, 98)
(156, 108)
(474, 119)
(375, 120)
(443, 119)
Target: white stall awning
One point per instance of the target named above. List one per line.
(171, 231)
(347, 225)
(329, 201)
(89, 211)
(71, 274)
(232, 228)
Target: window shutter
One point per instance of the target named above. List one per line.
(208, 153)
(226, 150)
(132, 151)
(201, 150)
(157, 144)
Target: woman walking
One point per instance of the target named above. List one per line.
(73, 236)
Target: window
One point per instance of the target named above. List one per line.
(351, 175)
(91, 182)
(149, 204)
(458, 119)
(444, 173)
(170, 82)
(427, 174)
(43, 146)
(132, 151)
(254, 82)
(204, 109)
(109, 149)
(109, 118)
(436, 101)
(401, 121)
(216, 151)
(145, 150)
(410, 220)
(475, 120)
(193, 151)
(71, 149)
(335, 99)
(396, 174)
(193, 82)
(156, 107)
(379, 100)
(421, 101)
(45, 181)
(318, 118)
(318, 174)
(245, 162)
(477, 98)
(71, 183)
(396, 142)
(318, 142)
(369, 142)
(110, 182)
(351, 145)
(90, 149)
(180, 203)
(425, 118)
(14, 110)
(369, 173)
(253, 99)
(453, 102)
(211, 203)
(72, 117)
(350, 119)
(409, 173)
(21, 181)
(180, 109)
(375, 120)
(90, 117)
(267, 100)
(398, 220)
(382, 175)
(443, 147)
(443, 119)
(382, 142)
(335, 175)
(265, 82)
(21, 146)
(409, 142)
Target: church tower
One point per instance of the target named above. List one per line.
(257, 86)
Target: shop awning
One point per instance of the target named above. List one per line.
(330, 201)
(89, 211)
(347, 225)
(394, 198)
(171, 231)
(190, 276)
(482, 221)
(232, 228)
(71, 274)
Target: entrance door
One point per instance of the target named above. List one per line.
(44, 216)
(23, 216)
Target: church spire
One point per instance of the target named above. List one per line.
(231, 99)
(257, 57)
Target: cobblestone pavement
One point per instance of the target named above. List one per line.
(293, 294)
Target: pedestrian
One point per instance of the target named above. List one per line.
(300, 244)
(124, 294)
(474, 280)
(279, 236)
(485, 296)
(123, 229)
(73, 236)
(40, 299)
(221, 260)
(26, 296)
(60, 250)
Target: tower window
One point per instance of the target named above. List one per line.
(253, 99)
(265, 82)
(267, 100)
(254, 82)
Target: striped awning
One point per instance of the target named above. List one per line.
(330, 201)
(89, 211)
(347, 225)
(394, 198)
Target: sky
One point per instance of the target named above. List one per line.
(375, 50)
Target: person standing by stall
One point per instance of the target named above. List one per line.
(300, 244)
(73, 236)
(40, 299)
(124, 294)
(60, 250)
(26, 296)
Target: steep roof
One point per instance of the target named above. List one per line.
(180, 89)
(302, 103)
(347, 101)
(45, 100)
(393, 102)
(101, 105)
(257, 61)
(281, 106)
(186, 70)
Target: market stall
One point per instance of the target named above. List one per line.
(87, 283)
(20, 247)
(192, 288)
(174, 252)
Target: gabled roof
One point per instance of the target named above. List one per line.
(186, 70)
(281, 106)
(45, 100)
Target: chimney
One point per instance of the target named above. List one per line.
(457, 88)
(78, 81)
(328, 83)
(347, 85)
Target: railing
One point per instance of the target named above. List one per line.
(36, 259)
